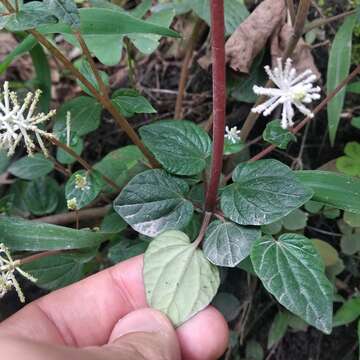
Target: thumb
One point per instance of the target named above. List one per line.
(144, 334)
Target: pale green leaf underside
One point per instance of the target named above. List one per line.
(154, 201)
(179, 280)
(262, 192)
(226, 243)
(181, 147)
(291, 269)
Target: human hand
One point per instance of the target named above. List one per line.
(104, 317)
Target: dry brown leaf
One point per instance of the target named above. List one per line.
(302, 57)
(252, 35)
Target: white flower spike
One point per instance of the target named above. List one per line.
(7, 273)
(292, 90)
(15, 125)
(232, 134)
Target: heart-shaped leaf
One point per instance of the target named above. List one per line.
(153, 202)
(226, 243)
(263, 192)
(179, 280)
(182, 147)
(291, 269)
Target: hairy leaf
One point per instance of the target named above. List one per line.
(153, 202)
(262, 192)
(64, 10)
(182, 147)
(226, 243)
(291, 269)
(179, 280)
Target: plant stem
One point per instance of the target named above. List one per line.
(70, 217)
(298, 30)
(190, 46)
(320, 22)
(204, 225)
(219, 100)
(103, 100)
(38, 256)
(86, 52)
(130, 63)
(83, 162)
(307, 119)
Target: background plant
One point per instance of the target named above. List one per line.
(197, 214)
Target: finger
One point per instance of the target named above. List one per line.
(205, 336)
(85, 313)
(141, 335)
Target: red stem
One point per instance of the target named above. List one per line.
(219, 100)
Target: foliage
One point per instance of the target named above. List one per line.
(93, 199)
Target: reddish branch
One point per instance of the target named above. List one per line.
(219, 100)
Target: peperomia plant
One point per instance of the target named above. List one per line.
(189, 209)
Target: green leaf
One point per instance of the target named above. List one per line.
(350, 164)
(41, 196)
(122, 164)
(85, 115)
(296, 220)
(182, 147)
(129, 102)
(226, 243)
(83, 187)
(22, 48)
(332, 189)
(235, 12)
(57, 271)
(4, 161)
(25, 235)
(263, 192)
(148, 43)
(97, 21)
(327, 252)
(348, 312)
(31, 168)
(43, 76)
(254, 350)
(228, 304)
(125, 249)
(291, 269)
(76, 144)
(113, 223)
(354, 87)
(275, 134)
(338, 69)
(153, 202)
(85, 68)
(355, 122)
(179, 280)
(65, 11)
(352, 219)
(277, 329)
(30, 16)
(232, 148)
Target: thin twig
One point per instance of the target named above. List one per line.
(38, 256)
(70, 217)
(297, 32)
(204, 225)
(190, 46)
(82, 161)
(321, 22)
(103, 88)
